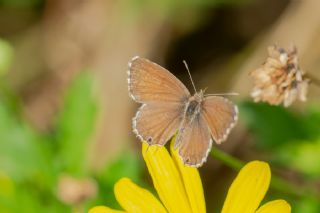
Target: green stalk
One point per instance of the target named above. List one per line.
(313, 79)
(227, 159)
(277, 182)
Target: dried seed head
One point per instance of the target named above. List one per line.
(280, 79)
(73, 191)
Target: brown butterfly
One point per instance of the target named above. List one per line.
(167, 106)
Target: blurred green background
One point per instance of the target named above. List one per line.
(65, 115)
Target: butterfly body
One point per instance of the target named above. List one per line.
(169, 108)
(193, 106)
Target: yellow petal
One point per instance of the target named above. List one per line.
(166, 179)
(103, 209)
(276, 206)
(248, 189)
(133, 198)
(192, 182)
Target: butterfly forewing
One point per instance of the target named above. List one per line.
(221, 115)
(163, 97)
(194, 141)
(149, 82)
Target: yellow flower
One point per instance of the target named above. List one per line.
(248, 190)
(180, 189)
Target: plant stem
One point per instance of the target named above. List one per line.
(280, 184)
(313, 79)
(227, 159)
(277, 182)
(9, 98)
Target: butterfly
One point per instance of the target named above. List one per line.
(168, 107)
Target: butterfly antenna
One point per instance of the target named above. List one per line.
(186, 65)
(230, 93)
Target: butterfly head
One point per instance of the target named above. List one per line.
(194, 104)
(198, 96)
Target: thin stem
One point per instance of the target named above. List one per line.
(277, 182)
(227, 159)
(9, 98)
(280, 184)
(313, 79)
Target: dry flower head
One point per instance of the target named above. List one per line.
(73, 191)
(279, 79)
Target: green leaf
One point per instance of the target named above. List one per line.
(311, 121)
(7, 192)
(126, 165)
(6, 56)
(76, 123)
(273, 126)
(302, 157)
(306, 205)
(22, 152)
(31, 199)
(293, 139)
(129, 165)
(21, 4)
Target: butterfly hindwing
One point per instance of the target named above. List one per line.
(220, 115)
(194, 141)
